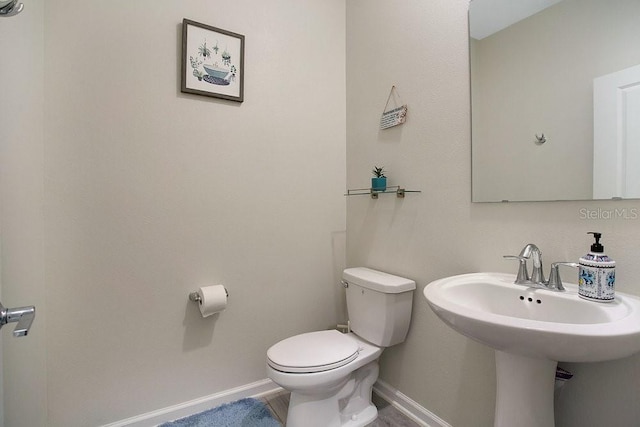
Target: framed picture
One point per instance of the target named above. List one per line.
(212, 61)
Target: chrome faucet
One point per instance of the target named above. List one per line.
(22, 315)
(531, 250)
(537, 274)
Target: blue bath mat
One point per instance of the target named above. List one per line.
(243, 413)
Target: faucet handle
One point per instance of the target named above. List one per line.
(555, 282)
(523, 274)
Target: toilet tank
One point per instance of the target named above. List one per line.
(379, 305)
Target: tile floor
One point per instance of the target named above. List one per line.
(388, 416)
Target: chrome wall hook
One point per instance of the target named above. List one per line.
(541, 139)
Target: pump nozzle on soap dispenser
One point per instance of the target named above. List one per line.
(597, 273)
(596, 247)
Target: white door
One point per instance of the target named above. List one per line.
(22, 358)
(616, 134)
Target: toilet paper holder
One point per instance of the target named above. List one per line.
(193, 296)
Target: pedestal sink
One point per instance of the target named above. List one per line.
(532, 329)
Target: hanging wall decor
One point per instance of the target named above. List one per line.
(396, 116)
(212, 61)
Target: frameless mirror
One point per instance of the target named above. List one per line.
(555, 92)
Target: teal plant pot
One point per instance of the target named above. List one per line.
(379, 184)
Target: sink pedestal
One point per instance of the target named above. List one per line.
(525, 389)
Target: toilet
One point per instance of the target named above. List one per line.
(331, 374)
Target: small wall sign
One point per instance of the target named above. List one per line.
(396, 116)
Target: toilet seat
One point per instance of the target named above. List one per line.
(313, 352)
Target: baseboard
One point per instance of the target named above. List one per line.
(150, 419)
(408, 406)
(258, 389)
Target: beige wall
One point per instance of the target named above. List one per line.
(149, 193)
(422, 48)
(536, 77)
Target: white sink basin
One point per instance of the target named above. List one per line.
(560, 326)
(532, 329)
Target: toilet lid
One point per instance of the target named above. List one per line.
(313, 352)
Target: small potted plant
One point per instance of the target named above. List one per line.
(379, 180)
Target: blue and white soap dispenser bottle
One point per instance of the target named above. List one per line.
(597, 274)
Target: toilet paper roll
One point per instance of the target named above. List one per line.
(213, 299)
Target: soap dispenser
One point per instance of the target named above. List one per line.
(597, 273)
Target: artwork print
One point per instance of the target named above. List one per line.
(212, 61)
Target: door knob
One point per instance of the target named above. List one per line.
(23, 316)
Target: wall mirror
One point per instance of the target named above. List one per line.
(555, 94)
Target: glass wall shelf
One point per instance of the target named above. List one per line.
(399, 192)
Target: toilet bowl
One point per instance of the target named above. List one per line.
(336, 392)
(330, 374)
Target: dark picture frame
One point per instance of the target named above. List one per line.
(212, 61)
